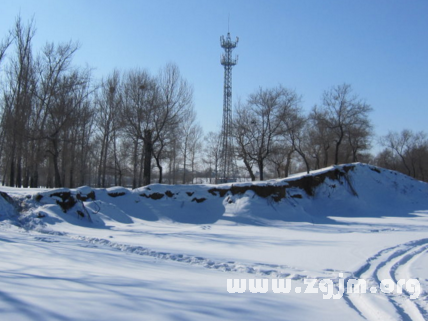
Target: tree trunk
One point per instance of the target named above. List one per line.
(134, 178)
(159, 166)
(184, 164)
(26, 180)
(71, 178)
(261, 168)
(116, 163)
(250, 170)
(103, 180)
(317, 161)
(336, 153)
(287, 164)
(57, 173)
(55, 156)
(34, 180)
(100, 170)
(19, 171)
(148, 149)
(12, 167)
(326, 155)
(141, 168)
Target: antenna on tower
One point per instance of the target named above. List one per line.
(227, 156)
(228, 22)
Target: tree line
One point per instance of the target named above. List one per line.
(275, 136)
(60, 127)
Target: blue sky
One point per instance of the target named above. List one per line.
(380, 47)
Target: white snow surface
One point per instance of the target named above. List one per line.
(165, 252)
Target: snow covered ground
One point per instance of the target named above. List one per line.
(167, 252)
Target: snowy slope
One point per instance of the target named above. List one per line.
(165, 252)
(353, 190)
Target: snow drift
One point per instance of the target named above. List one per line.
(346, 191)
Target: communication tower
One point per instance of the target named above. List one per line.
(227, 158)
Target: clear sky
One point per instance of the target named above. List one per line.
(380, 47)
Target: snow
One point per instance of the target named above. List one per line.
(163, 253)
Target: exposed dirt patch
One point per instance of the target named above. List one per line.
(221, 191)
(199, 200)
(116, 194)
(7, 198)
(374, 169)
(276, 192)
(67, 200)
(307, 183)
(153, 196)
(38, 197)
(169, 193)
(84, 198)
(310, 182)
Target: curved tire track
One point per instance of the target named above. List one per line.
(386, 265)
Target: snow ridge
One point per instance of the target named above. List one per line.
(351, 190)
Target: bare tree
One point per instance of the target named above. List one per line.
(358, 138)
(191, 132)
(341, 111)
(84, 132)
(153, 109)
(53, 64)
(387, 159)
(258, 124)
(176, 104)
(139, 106)
(410, 148)
(320, 139)
(294, 126)
(18, 100)
(242, 134)
(46, 117)
(108, 103)
(280, 158)
(62, 116)
(400, 144)
(212, 154)
(4, 44)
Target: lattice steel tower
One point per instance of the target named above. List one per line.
(227, 158)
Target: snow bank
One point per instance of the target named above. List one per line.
(8, 207)
(347, 191)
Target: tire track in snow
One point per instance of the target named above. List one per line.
(398, 273)
(385, 265)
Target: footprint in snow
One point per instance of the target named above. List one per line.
(46, 239)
